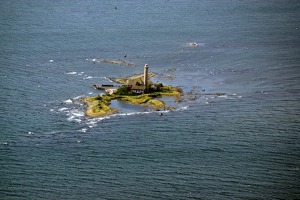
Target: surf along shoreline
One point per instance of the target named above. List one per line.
(99, 106)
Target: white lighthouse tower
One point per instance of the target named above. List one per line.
(146, 75)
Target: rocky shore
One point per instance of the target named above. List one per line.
(117, 62)
(99, 106)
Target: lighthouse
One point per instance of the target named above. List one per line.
(146, 75)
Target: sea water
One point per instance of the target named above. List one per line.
(241, 145)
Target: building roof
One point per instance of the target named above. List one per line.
(135, 87)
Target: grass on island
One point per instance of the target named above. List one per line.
(135, 78)
(98, 106)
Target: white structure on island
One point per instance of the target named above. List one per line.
(146, 75)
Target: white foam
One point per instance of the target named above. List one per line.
(125, 114)
(68, 101)
(71, 73)
(88, 77)
(83, 130)
(91, 122)
(93, 60)
(71, 118)
(140, 113)
(74, 119)
(51, 61)
(52, 132)
(77, 120)
(183, 108)
(73, 115)
(78, 97)
(62, 109)
(77, 114)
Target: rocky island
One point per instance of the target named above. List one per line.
(117, 62)
(138, 89)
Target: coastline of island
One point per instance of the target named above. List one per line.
(99, 106)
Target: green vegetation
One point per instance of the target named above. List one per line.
(98, 106)
(135, 78)
(123, 90)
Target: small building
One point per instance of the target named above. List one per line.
(130, 83)
(138, 89)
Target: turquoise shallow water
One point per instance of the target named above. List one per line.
(242, 145)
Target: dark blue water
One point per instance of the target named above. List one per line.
(242, 145)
